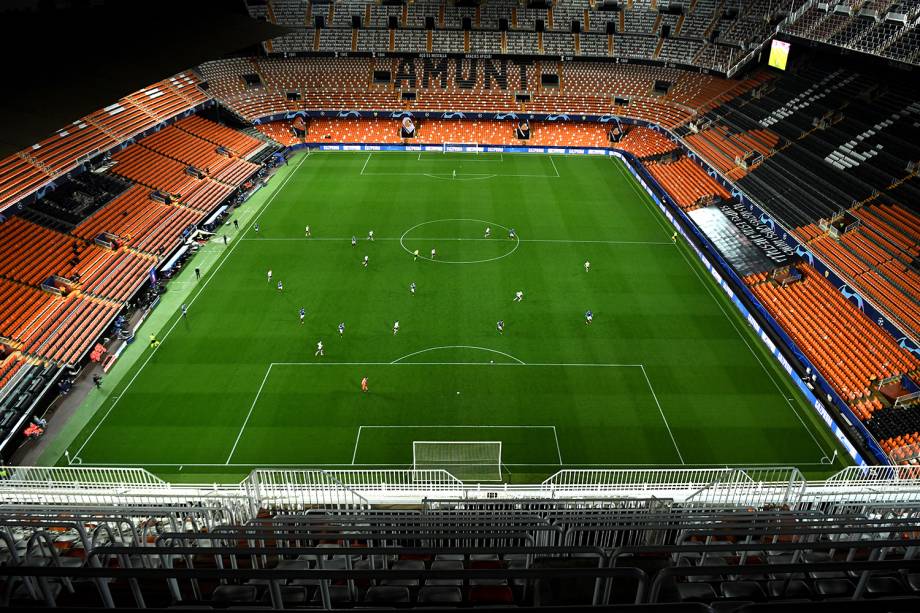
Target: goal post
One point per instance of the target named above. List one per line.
(461, 148)
(466, 460)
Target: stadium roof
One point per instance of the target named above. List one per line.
(66, 60)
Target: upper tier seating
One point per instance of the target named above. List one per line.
(154, 170)
(638, 26)
(585, 87)
(237, 143)
(25, 172)
(865, 26)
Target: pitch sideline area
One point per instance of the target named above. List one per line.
(320, 420)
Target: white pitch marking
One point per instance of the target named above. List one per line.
(656, 215)
(249, 414)
(190, 303)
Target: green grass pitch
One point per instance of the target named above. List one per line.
(667, 374)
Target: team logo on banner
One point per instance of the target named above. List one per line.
(407, 128)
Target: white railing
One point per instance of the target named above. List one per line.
(304, 489)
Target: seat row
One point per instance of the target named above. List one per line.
(844, 345)
(876, 258)
(23, 173)
(584, 87)
(687, 183)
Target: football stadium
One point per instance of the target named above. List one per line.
(328, 304)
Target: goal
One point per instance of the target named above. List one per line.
(461, 148)
(466, 460)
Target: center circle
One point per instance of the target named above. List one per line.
(459, 230)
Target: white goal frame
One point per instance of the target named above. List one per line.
(461, 148)
(466, 460)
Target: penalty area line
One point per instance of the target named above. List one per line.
(211, 274)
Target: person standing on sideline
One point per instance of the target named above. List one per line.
(364, 384)
(225, 240)
(236, 224)
(197, 273)
(674, 237)
(97, 381)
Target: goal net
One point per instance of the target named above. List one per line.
(461, 148)
(466, 460)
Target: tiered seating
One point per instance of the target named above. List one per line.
(235, 172)
(645, 143)
(687, 183)
(67, 333)
(73, 200)
(849, 350)
(585, 87)
(875, 258)
(30, 254)
(184, 147)
(207, 194)
(237, 143)
(722, 147)
(868, 25)
(18, 178)
(9, 366)
(280, 132)
(641, 141)
(139, 221)
(25, 172)
(22, 306)
(154, 170)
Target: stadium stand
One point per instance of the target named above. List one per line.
(140, 221)
(585, 87)
(885, 28)
(851, 352)
(641, 141)
(687, 183)
(703, 34)
(30, 169)
(876, 257)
